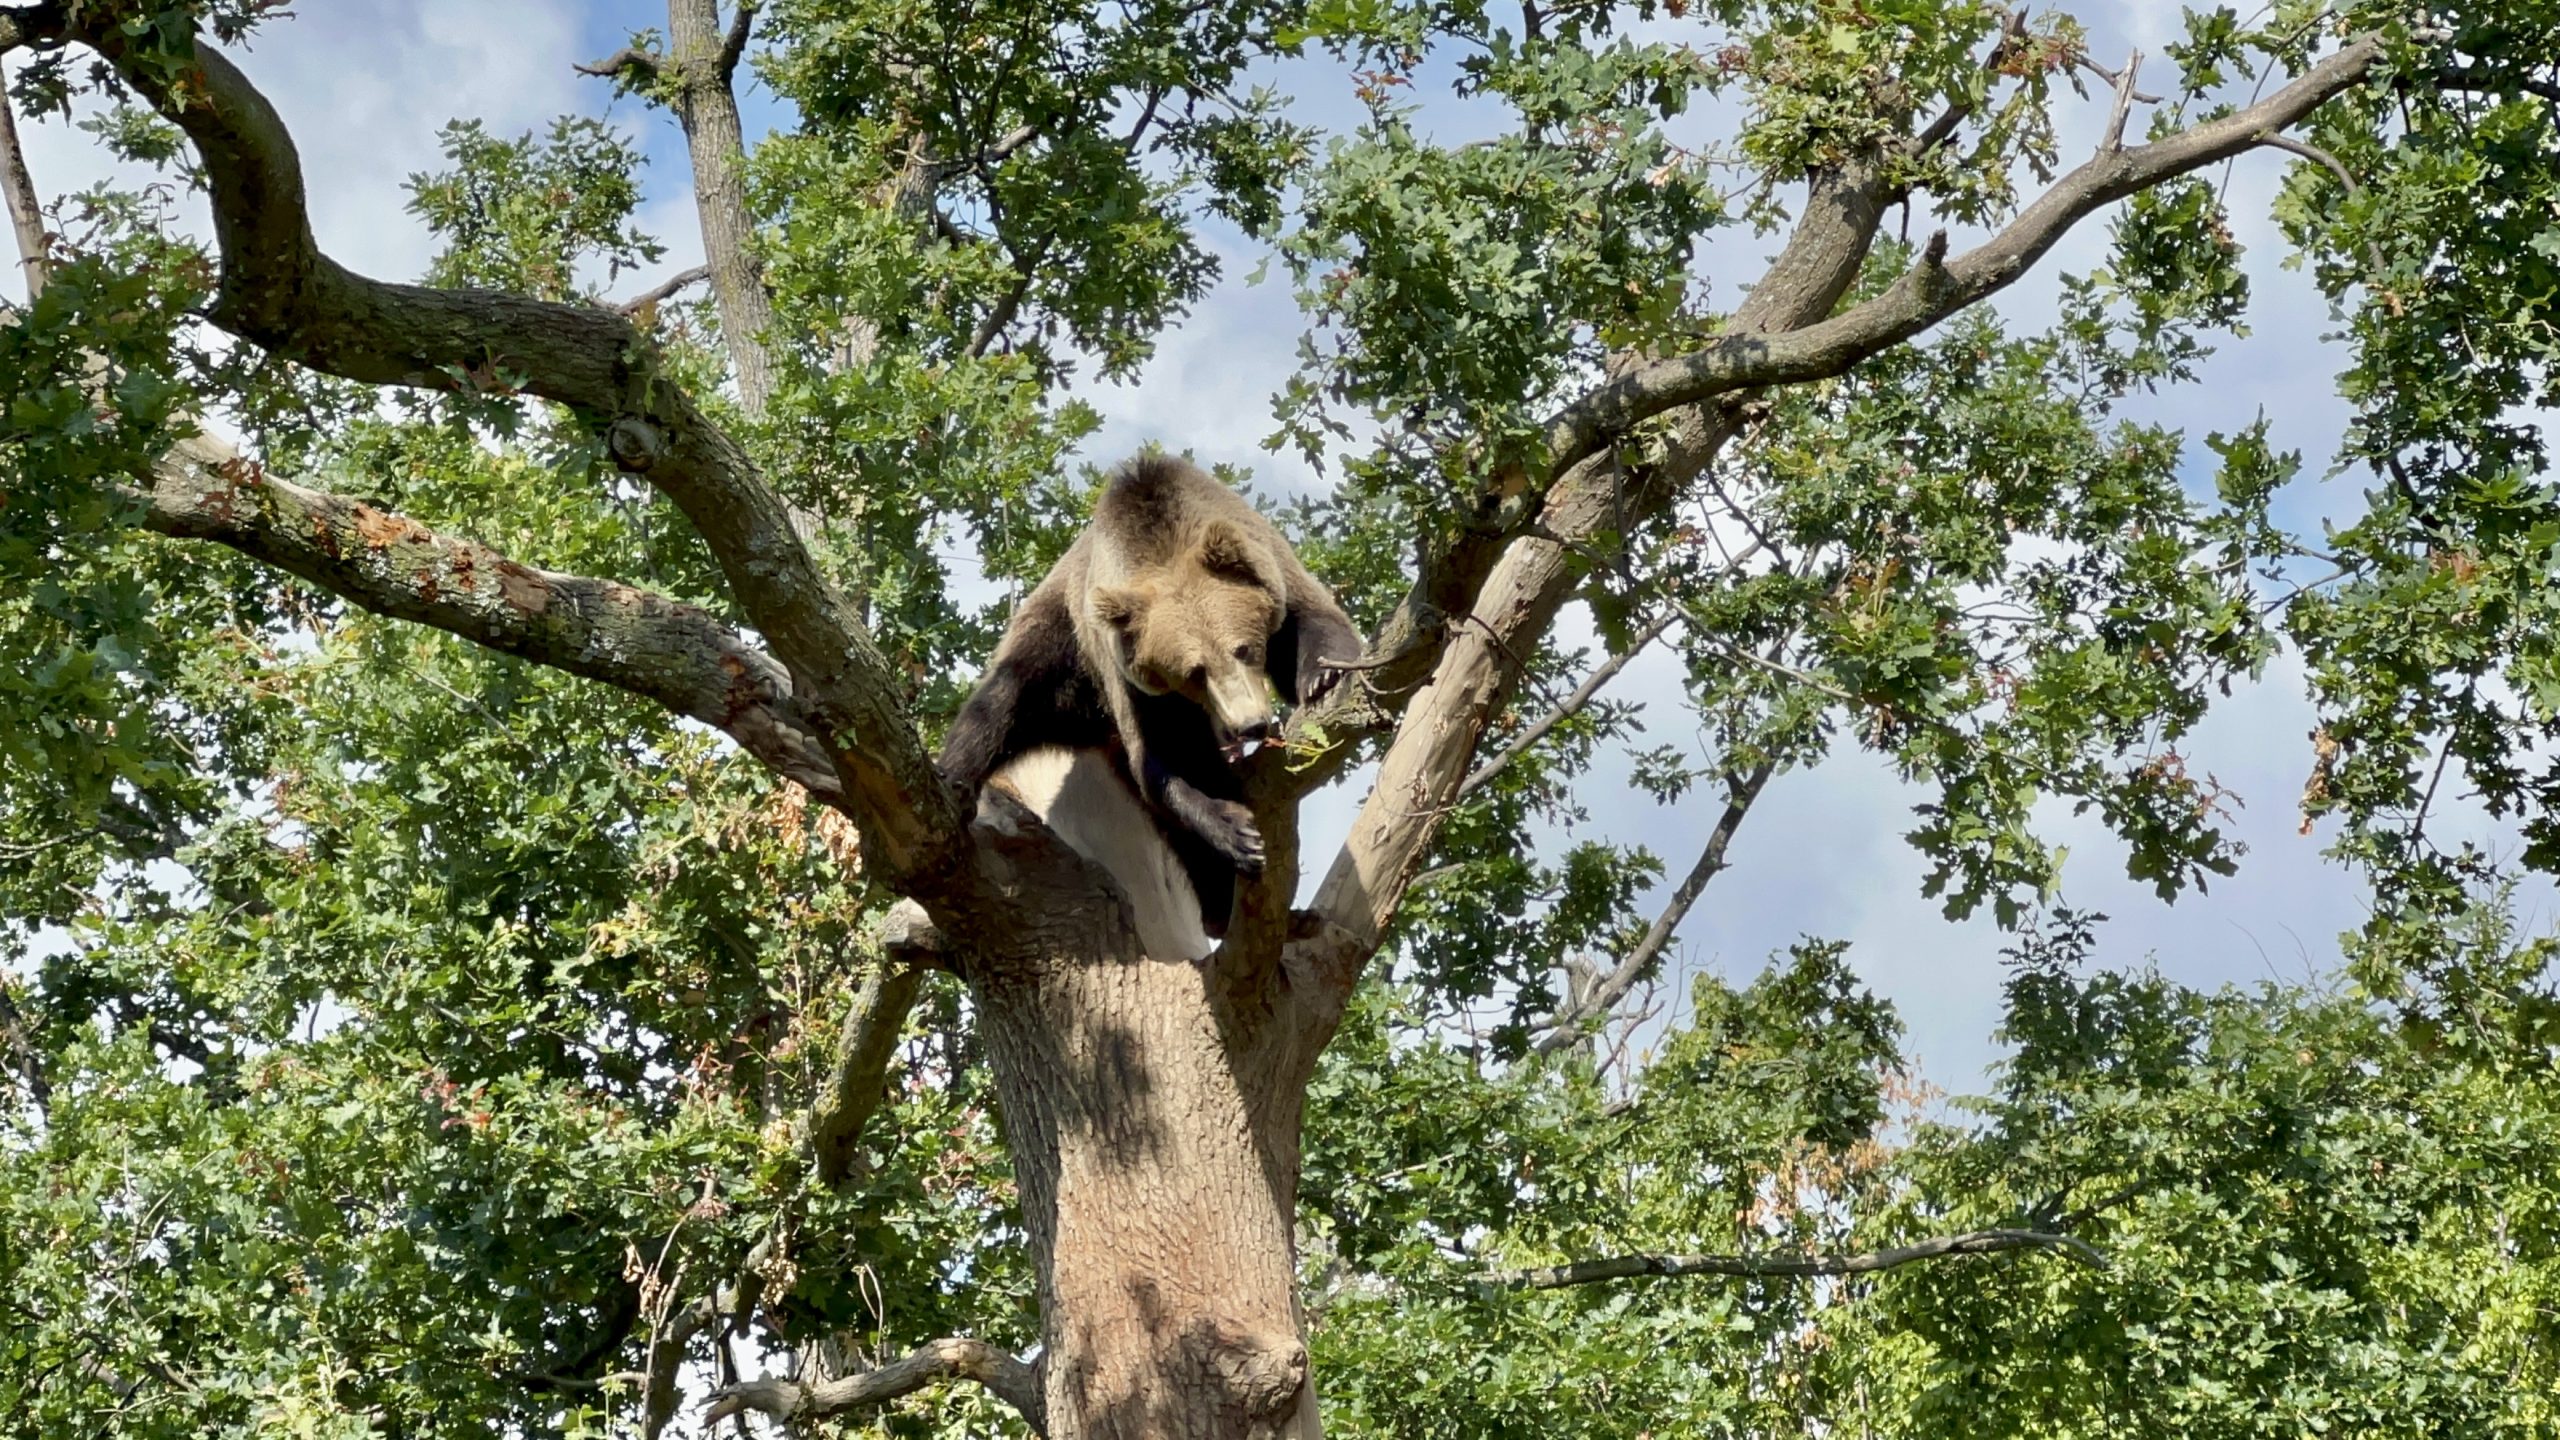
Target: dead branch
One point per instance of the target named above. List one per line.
(2113, 140)
(1564, 1027)
(661, 292)
(630, 60)
(1566, 708)
(2113, 78)
(1622, 1267)
(1011, 1380)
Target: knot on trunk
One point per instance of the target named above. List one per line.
(1260, 1371)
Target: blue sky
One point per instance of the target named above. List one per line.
(365, 84)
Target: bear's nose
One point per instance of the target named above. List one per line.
(1266, 728)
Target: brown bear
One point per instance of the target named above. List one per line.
(1158, 637)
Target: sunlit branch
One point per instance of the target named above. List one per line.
(651, 646)
(1011, 1380)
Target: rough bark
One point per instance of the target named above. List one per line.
(654, 647)
(26, 216)
(703, 62)
(1157, 1153)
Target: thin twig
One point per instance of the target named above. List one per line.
(1622, 1267)
(1563, 1028)
(2113, 78)
(1567, 708)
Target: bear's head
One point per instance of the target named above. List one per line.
(1200, 626)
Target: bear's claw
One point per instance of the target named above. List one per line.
(1232, 830)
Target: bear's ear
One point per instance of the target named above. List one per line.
(1225, 549)
(1116, 608)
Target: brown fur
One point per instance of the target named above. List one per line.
(1159, 635)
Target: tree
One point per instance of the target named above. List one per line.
(495, 986)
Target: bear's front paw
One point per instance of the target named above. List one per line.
(1232, 830)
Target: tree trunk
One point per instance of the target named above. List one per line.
(1155, 1141)
(707, 107)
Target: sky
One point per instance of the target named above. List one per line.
(364, 86)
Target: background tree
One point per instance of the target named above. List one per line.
(462, 816)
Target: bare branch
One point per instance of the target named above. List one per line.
(2113, 78)
(1012, 1381)
(1930, 291)
(25, 213)
(2113, 140)
(1568, 707)
(279, 291)
(646, 644)
(1621, 1267)
(629, 61)
(661, 292)
(733, 45)
(1563, 1028)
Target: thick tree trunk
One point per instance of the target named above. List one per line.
(1158, 1162)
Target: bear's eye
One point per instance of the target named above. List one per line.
(1245, 654)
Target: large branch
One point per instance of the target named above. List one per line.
(1622, 1267)
(651, 646)
(278, 290)
(1784, 333)
(1937, 288)
(790, 1401)
(1476, 669)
